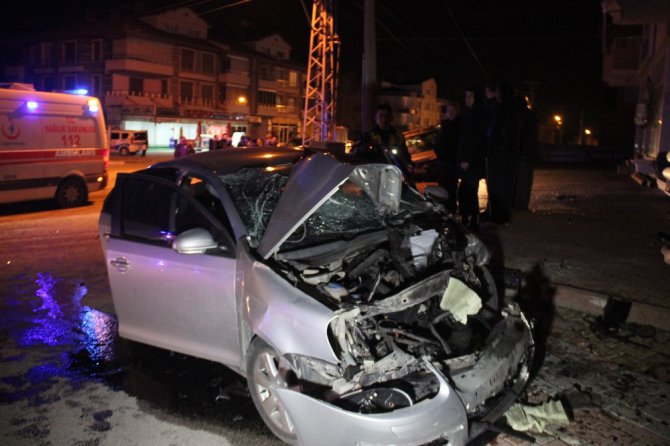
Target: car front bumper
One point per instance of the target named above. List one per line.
(484, 390)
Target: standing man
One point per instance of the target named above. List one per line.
(501, 154)
(384, 136)
(446, 150)
(526, 152)
(472, 156)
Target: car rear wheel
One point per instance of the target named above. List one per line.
(71, 192)
(267, 370)
(123, 151)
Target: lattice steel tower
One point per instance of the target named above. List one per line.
(322, 68)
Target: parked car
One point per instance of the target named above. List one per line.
(358, 312)
(129, 142)
(421, 146)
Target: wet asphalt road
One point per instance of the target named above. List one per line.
(65, 376)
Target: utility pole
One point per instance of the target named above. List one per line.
(322, 70)
(369, 64)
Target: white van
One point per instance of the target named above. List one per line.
(52, 145)
(129, 142)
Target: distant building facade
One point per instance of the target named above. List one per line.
(414, 105)
(162, 73)
(636, 68)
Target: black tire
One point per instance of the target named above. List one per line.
(123, 150)
(144, 153)
(71, 192)
(264, 367)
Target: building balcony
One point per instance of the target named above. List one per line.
(232, 77)
(621, 63)
(138, 66)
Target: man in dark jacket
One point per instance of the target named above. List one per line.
(471, 156)
(501, 157)
(446, 150)
(526, 153)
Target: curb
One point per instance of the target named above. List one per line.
(599, 304)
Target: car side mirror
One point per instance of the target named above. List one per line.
(194, 241)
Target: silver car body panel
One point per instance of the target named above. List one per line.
(179, 302)
(441, 417)
(285, 317)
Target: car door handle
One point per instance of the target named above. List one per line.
(121, 264)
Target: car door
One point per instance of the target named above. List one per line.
(181, 302)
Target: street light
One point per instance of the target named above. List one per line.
(242, 100)
(587, 131)
(558, 119)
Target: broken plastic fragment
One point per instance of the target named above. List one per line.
(524, 418)
(460, 300)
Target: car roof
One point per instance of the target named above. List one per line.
(231, 159)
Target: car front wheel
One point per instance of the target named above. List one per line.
(266, 371)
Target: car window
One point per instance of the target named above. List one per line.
(145, 211)
(156, 213)
(115, 135)
(255, 193)
(205, 194)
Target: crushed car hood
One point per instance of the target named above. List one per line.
(313, 181)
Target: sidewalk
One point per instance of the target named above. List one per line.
(592, 232)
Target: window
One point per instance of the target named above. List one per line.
(96, 50)
(207, 63)
(164, 87)
(69, 52)
(96, 86)
(48, 83)
(293, 78)
(207, 91)
(267, 98)
(186, 89)
(45, 53)
(136, 85)
(69, 82)
(146, 211)
(187, 60)
(225, 64)
(147, 207)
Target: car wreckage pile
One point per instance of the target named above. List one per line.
(416, 314)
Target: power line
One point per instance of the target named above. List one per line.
(465, 40)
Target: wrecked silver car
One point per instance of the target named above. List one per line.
(358, 312)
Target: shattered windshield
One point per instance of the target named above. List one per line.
(347, 213)
(255, 193)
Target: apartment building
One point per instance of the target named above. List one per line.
(414, 105)
(162, 73)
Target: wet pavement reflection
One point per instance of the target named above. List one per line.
(48, 336)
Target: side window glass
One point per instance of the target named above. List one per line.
(205, 194)
(146, 211)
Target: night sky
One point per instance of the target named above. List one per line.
(554, 45)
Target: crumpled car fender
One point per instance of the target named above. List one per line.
(283, 316)
(442, 416)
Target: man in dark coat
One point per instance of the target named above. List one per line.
(446, 150)
(471, 156)
(501, 155)
(526, 153)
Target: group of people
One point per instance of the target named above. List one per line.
(494, 137)
(183, 147)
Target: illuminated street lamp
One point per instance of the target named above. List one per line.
(587, 131)
(242, 100)
(558, 119)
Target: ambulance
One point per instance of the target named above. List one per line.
(52, 145)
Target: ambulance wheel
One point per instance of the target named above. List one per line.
(71, 192)
(123, 151)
